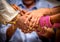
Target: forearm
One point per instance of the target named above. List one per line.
(46, 32)
(13, 27)
(52, 11)
(50, 21)
(55, 10)
(55, 18)
(10, 31)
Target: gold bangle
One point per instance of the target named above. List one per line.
(11, 22)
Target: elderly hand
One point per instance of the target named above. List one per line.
(32, 18)
(28, 23)
(45, 32)
(20, 23)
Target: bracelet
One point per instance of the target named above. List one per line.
(11, 22)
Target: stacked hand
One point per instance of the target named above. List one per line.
(29, 22)
(28, 27)
(32, 18)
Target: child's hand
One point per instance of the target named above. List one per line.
(46, 32)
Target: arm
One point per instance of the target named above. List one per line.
(19, 36)
(50, 21)
(55, 18)
(49, 11)
(46, 32)
(53, 11)
(13, 27)
(10, 31)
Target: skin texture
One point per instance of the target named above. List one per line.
(27, 22)
(45, 32)
(55, 18)
(35, 15)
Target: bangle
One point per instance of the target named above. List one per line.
(11, 22)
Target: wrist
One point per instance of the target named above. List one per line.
(45, 21)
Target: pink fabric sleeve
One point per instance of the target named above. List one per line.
(45, 21)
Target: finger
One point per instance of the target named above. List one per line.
(24, 11)
(23, 19)
(21, 24)
(28, 18)
(28, 13)
(27, 24)
(18, 8)
(21, 13)
(31, 21)
(14, 7)
(35, 22)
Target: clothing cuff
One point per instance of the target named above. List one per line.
(45, 21)
(56, 25)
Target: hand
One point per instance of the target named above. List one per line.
(22, 12)
(30, 19)
(46, 32)
(33, 17)
(21, 24)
